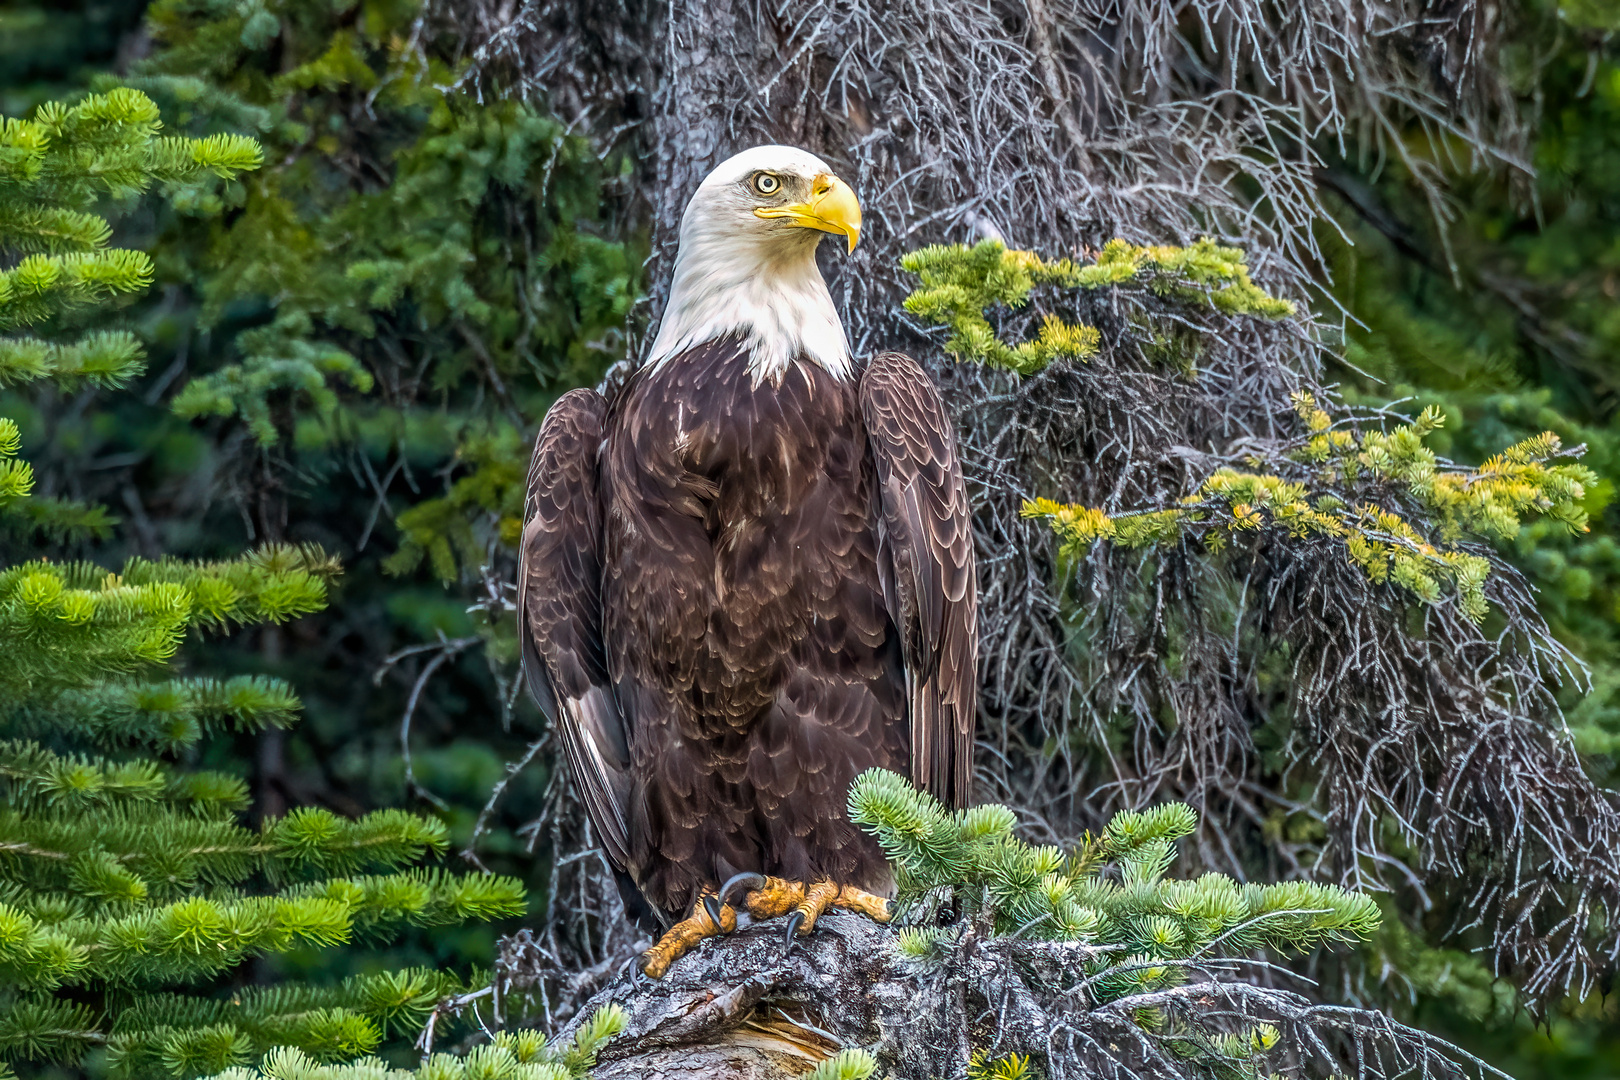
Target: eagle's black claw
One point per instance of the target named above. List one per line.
(711, 904)
(750, 881)
(795, 919)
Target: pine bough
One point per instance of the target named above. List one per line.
(128, 883)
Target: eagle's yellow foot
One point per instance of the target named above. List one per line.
(802, 903)
(707, 920)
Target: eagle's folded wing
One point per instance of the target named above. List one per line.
(560, 613)
(925, 555)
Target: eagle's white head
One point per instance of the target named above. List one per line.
(747, 262)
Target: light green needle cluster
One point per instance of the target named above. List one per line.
(845, 1065)
(78, 618)
(1011, 1067)
(55, 167)
(1337, 479)
(960, 285)
(16, 475)
(1112, 893)
(511, 1055)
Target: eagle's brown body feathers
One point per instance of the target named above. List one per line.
(737, 596)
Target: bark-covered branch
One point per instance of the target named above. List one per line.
(746, 1007)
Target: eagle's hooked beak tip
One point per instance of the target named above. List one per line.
(832, 208)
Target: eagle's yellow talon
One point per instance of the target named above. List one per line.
(803, 903)
(685, 935)
(817, 898)
(776, 898)
(874, 907)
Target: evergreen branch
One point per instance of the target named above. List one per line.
(50, 519)
(169, 715)
(80, 621)
(421, 898)
(53, 168)
(511, 1055)
(184, 1036)
(119, 850)
(1330, 487)
(845, 1065)
(37, 779)
(44, 1029)
(1146, 926)
(304, 371)
(106, 359)
(959, 285)
(16, 477)
(40, 286)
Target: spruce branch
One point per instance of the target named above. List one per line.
(519, 1055)
(1113, 894)
(1330, 485)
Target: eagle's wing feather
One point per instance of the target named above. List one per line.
(925, 556)
(560, 613)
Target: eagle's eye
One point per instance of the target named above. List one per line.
(766, 184)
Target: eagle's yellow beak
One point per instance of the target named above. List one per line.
(832, 208)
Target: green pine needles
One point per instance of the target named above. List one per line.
(960, 284)
(1336, 479)
(130, 887)
(849, 1064)
(1111, 894)
(54, 169)
(511, 1055)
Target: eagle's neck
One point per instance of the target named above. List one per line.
(774, 298)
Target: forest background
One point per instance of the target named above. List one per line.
(451, 265)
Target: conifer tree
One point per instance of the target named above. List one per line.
(1352, 720)
(362, 348)
(130, 888)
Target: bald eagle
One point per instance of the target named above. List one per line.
(749, 577)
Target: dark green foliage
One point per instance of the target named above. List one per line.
(361, 340)
(165, 715)
(124, 879)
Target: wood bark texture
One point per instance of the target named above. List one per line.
(743, 1007)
